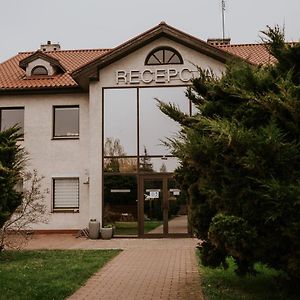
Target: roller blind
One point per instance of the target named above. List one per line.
(66, 193)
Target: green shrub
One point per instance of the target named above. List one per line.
(240, 161)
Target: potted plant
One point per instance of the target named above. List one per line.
(107, 231)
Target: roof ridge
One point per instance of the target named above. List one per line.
(68, 50)
(243, 44)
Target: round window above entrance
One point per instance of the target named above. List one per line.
(164, 56)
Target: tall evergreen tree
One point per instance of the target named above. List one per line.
(240, 160)
(12, 158)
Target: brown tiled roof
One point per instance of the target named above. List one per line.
(254, 53)
(13, 77)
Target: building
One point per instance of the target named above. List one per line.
(92, 127)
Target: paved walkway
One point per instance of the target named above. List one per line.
(146, 269)
(177, 225)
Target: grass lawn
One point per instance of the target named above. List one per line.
(48, 274)
(219, 284)
(131, 228)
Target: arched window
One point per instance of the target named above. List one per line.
(164, 56)
(39, 70)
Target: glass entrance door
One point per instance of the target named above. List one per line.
(162, 207)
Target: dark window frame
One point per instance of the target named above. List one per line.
(38, 74)
(13, 108)
(73, 137)
(164, 48)
(64, 209)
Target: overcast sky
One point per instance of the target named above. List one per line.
(75, 24)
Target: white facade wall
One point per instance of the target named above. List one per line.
(55, 158)
(83, 157)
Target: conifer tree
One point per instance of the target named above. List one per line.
(12, 158)
(240, 160)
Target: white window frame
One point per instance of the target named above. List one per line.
(67, 208)
(63, 137)
(13, 108)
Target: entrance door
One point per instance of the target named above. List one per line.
(162, 207)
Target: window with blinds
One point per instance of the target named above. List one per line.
(66, 193)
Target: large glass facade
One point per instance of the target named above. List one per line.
(134, 131)
(154, 125)
(120, 122)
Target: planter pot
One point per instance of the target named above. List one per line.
(106, 233)
(94, 229)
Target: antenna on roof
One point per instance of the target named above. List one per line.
(223, 18)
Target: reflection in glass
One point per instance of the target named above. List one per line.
(120, 165)
(154, 125)
(159, 164)
(177, 213)
(120, 118)
(11, 117)
(120, 204)
(153, 206)
(66, 121)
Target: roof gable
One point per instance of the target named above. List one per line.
(42, 55)
(91, 70)
(13, 79)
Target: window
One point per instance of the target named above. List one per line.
(65, 193)
(66, 122)
(163, 56)
(11, 117)
(39, 70)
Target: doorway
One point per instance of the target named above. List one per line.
(163, 207)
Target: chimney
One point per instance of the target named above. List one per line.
(219, 42)
(50, 47)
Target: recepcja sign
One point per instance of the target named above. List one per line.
(153, 76)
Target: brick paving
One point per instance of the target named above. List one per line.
(146, 269)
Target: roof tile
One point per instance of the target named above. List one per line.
(254, 53)
(13, 77)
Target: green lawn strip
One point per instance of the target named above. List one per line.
(131, 228)
(220, 284)
(48, 274)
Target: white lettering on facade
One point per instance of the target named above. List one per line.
(134, 76)
(158, 76)
(121, 76)
(184, 75)
(172, 73)
(147, 76)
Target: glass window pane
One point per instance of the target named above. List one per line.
(66, 121)
(174, 60)
(153, 60)
(120, 203)
(11, 117)
(178, 209)
(160, 55)
(120, 121)
(39, 70)
(153, 206)
(120, 165)
(158, 164)
(154, 125)
(168, 55)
